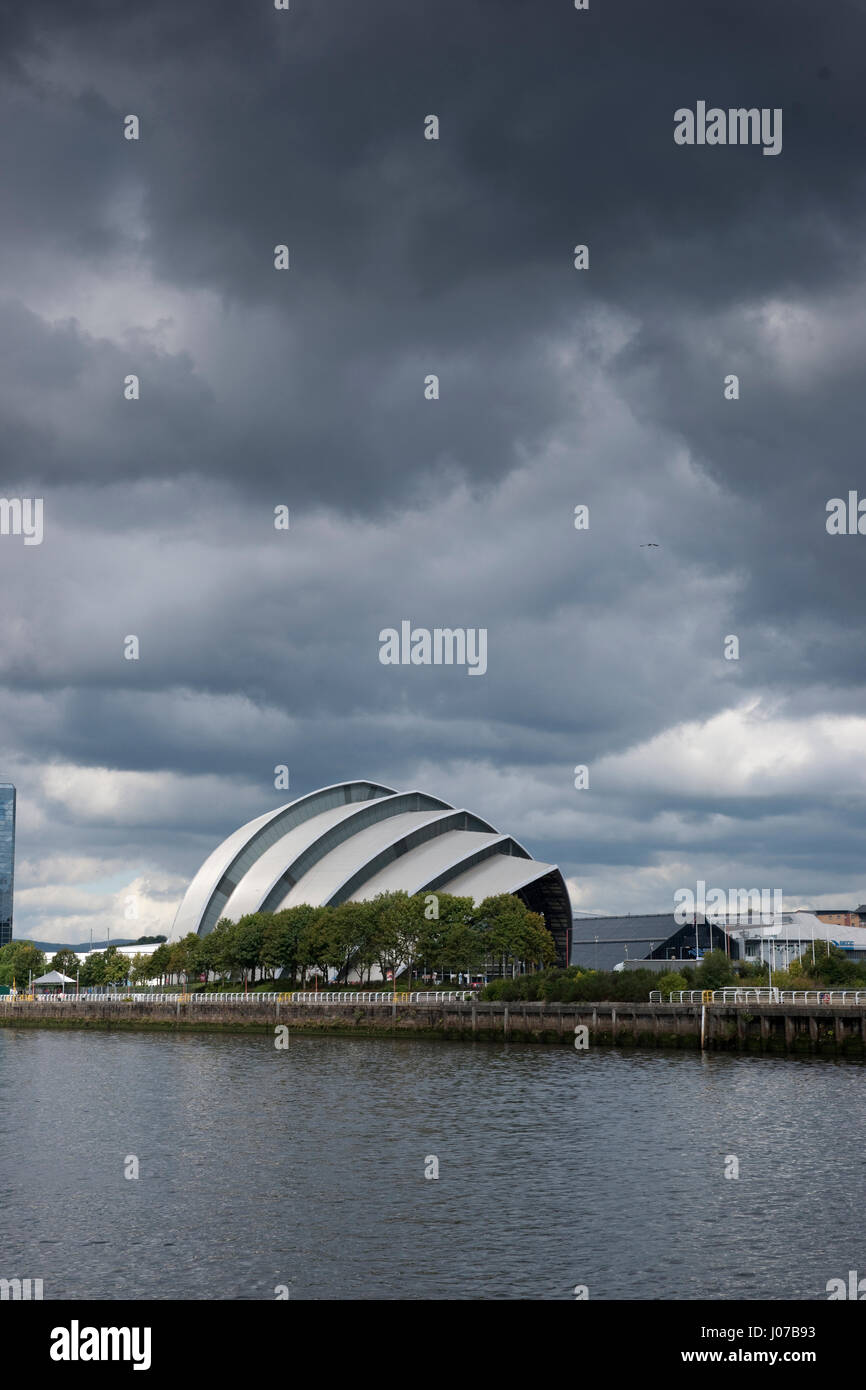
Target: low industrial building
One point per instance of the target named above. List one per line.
(604, 943)
(658, 942)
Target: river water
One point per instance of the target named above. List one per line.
(305, 1168)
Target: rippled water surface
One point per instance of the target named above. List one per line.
(305, 1167)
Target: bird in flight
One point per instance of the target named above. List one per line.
(644, 544)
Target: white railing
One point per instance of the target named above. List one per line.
(824, 996)
(261, 996)
(435, 996)
(741, 994)
(679, 996)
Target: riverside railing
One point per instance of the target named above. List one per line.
(733, 994)
(259, 996)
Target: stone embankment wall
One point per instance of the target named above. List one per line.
(769, 1028)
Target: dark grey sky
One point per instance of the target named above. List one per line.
(558, 387)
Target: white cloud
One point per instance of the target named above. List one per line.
(749, 751)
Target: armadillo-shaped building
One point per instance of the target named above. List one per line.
(357, 839)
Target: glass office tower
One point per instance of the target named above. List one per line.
(7, 859)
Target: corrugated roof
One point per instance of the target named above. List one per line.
(639, 933)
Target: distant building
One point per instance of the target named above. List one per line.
(606, 943)
(7, 859)
(793, 934)
(842, 916)
(129, 952)
(659, 943)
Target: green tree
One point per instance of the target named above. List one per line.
(535, 944)
(197, 956)
(463, 947)
(93, 969)
(671, 982)
(398, 925)
(209, 955)
(183, 956)
(714, 971)
(19, 960)
(66, 961)
(223, 948)
(141, 968)
(281, 939)
(831, 967)
(448, 938)
(248, 938)
(159, 962)
(115, 969)
(316, 945)
(512, 934)
(352, 928)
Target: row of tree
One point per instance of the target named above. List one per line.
(101, 968)
(435, 932)
(21, 961)
(423, 933)
(438, 932)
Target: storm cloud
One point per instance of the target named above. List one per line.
(306, 389)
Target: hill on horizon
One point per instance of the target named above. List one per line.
(50, 947)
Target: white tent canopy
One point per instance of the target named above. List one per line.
(54, 977)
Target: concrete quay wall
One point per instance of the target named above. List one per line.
(831, 1029)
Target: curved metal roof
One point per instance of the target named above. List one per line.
(219, 875)
(322, 881)
(427, 861)
(354, 840)
(256, 885)
(500, 873)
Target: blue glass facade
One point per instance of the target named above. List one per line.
(7, 859)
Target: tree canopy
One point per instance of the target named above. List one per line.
(18, 961)
(394, 931)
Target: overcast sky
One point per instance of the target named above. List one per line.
(558, 387)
